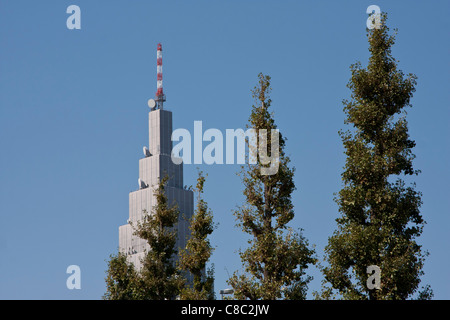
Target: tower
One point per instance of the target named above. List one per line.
(155, 164)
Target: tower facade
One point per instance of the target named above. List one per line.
(155, 164)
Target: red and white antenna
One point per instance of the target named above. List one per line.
(160, 97)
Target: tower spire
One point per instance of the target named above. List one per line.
(160, 96)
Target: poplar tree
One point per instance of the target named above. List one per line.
(198, 250)
(159, 278)
(120, 279)
(379, 218)
(276, 260)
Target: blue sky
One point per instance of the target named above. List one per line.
(73, 120)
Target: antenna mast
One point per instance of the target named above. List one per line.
(160, 96)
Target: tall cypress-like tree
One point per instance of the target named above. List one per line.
(120, 279)
(159, 278)
(380, 217)
(198, 250)
(277, 258)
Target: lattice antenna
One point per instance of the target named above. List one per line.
(160, 96)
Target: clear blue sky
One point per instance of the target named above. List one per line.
(74, 118)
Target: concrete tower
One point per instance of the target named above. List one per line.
(155, 165)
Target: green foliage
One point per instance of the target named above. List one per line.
(277, 258)
(120, 279)
(198, 250)
(380, 217)
(158, 278)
